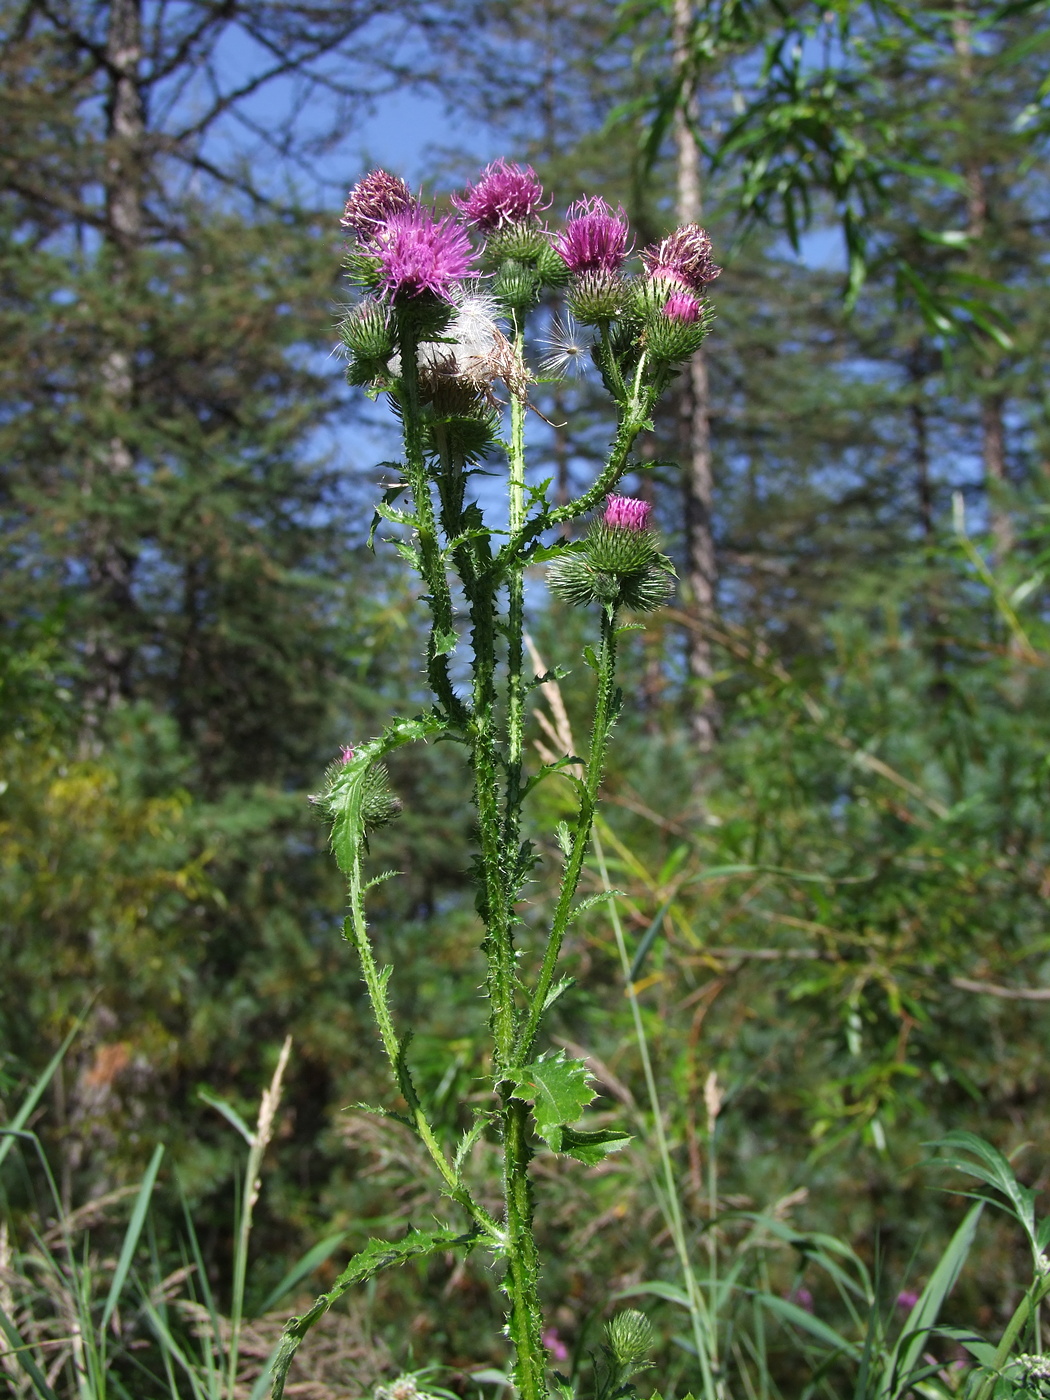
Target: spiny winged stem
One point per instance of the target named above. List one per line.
(442, 632)
(604, 717)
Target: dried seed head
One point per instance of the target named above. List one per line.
(373, 201)
(683, 257)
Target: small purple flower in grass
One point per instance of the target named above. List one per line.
(419, 253)
(682, 306)
(802, 1298)
(554, 1344)
(906, 1299)
(504, 194)
(684, 257)
(373, 201)
(627, 513)
(594, 239)
(346, 754)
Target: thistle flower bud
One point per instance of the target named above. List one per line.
(678, 330)
(378, 803)
(367, 331)
(594, 239)
(523, 242)
(551, 267)
(504, 195)
(629, 1336)
(683, 307)
(627, 513)
(373, 201)
(617, 563)
(517, 286)
(596, 296)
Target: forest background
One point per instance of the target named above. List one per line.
(827, 804)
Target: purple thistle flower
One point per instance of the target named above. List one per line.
(373, 201)
(346, 754)
(684, 257)
(907, 1299)
(504, 194)
(802, 1298)
(627, 513)
(554, 1344)
(594, 239)
(420, 253)
(682, 306)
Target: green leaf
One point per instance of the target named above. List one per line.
(591, 901)
(669, 1292)
(791, 1312)
(559, 1090)
(587, 1147)
(24, 1359)
(556, 991)
(131, 1236)
(229, 1113)
(897, 1375)
(445, 642)
(31, 1100)
(994, 1170)
(376, 1256)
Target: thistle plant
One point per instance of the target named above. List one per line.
(438, 327)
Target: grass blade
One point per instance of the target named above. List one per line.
(302, 1269)
(131, 1237)
(35, 1094)
(22, 1356)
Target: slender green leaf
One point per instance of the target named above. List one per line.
(24, 1359)
(305, 1266)
(131, 1235)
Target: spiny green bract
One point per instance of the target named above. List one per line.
(517, 286)
(596, 297)
(367, 331)
(671, 340)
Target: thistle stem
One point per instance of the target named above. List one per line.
(604, 717)
(525, 1322)
(432, 567)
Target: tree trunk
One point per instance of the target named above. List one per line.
(112, 561)
(992, 399)
(701, 572)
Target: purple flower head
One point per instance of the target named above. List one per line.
(594, 239)
(802, 1298)
(627, 513)
(419, 253)
(907, 1299)
(373, 201)
(684, 257)
(504, 194)
(554, 1344)
(682, 306)
(346, 754)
